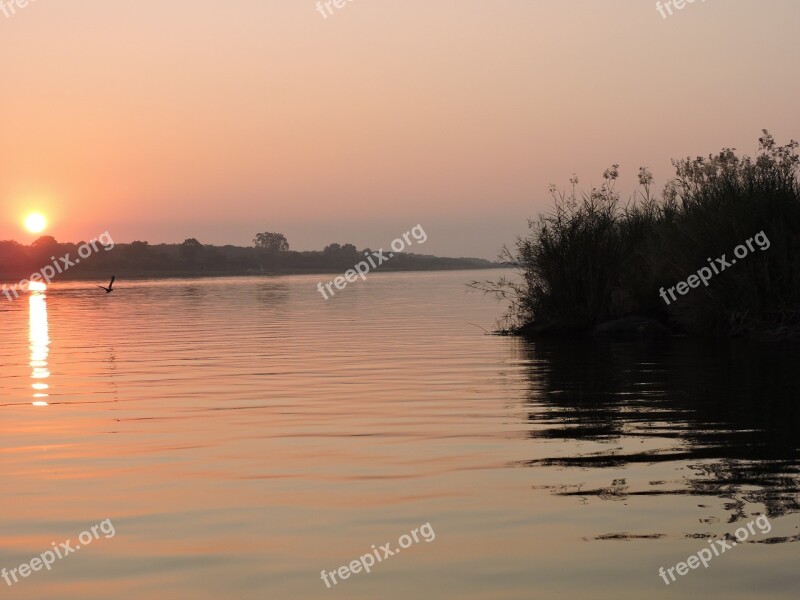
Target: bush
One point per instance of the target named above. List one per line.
(595, 259)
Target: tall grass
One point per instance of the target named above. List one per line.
(595, 258)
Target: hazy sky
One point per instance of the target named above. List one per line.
(216, 120)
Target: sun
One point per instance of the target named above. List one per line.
(35, 222)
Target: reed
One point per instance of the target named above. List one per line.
(594, 258)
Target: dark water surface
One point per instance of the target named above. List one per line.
(244, 434)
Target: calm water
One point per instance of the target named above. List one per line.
(244, 434)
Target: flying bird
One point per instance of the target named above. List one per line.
(109, 288)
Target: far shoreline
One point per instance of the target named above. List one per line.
(48, 260)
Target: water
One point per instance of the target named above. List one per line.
(243, 434)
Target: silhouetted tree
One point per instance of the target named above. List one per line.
(10, 245)
(338, 254)
(46, 241)
(138, 250)
(12, 255)
(271, 242)
(190, 250)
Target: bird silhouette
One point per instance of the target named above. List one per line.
(109, 288)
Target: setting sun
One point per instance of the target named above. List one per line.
(35, 222)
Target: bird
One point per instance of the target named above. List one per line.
(108, 289)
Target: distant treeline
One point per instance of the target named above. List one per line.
(270, 255)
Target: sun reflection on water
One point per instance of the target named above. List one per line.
(39, 342)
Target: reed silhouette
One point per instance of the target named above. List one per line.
(596, 259)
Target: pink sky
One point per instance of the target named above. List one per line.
(216, 120)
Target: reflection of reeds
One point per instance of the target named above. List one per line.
(593, 259)
(724, 411)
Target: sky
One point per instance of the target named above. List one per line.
(161, 121)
